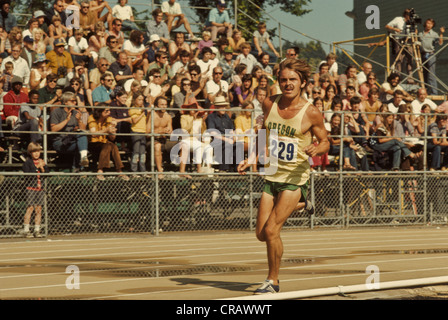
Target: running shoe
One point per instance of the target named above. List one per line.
(309, 208)
(268, 287)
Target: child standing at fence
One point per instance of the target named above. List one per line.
(138, 128)
(34, 189)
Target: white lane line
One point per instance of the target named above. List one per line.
(202, 246)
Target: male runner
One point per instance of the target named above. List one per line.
(290, 122)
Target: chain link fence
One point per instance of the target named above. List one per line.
(76, 204)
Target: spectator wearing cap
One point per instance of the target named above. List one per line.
(28, 52)
(13, 101)
(158, 26)
(221, 127)
(60, 60)
(39, 72)
(21, 68)
(218, 21)
(154, 42)
(7, 20)
(227, 64)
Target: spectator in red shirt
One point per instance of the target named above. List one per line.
(16, 97)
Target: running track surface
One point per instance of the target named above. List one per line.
(193, 266)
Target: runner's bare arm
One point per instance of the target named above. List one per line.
(318, 130)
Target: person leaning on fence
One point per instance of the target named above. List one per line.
(35, 192)
(103, 146)
(438, 143)
(68, 119)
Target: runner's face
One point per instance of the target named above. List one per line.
(291, 84)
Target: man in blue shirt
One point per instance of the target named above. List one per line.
(218, 21)
(101, 94)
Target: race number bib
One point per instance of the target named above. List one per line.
(284, 148)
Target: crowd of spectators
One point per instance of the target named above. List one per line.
(100, 81)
